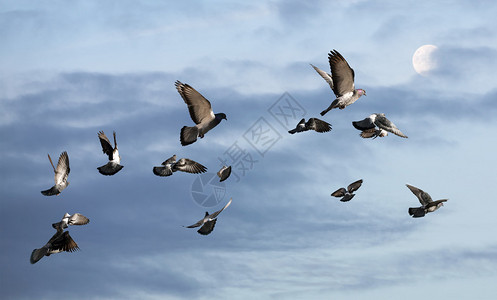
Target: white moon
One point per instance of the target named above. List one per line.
(423, 60)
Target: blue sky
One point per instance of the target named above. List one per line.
(71, 69)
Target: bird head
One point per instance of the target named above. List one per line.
(361, 92)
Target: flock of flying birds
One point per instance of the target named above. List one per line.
(341, 81)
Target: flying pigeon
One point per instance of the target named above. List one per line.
(369, 124)
(113, 166)
(185, 165)
(224, 173)
(427, 204)
(312, 124)
(200, 112)
(61, 240)
(61, 174)
(67, 219)
(209, 221)
(347, 194)
(341, 81)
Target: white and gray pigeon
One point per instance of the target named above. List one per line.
(312, 124)
(169, 166)
(61, 240)
(427, 204)
(67, 219)
(341, 81)
(369, 124)
(200, 112)
(347, 194)
(113, 166)
(224, 173)
(209, 221)
(61, 174)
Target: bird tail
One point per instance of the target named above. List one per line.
(332, 105)
(416, 212)
(292, 131)
(37, 254)
(188, 135)
(110, 168)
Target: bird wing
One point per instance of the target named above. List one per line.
(170, 160)
(38, 254)
(190, 166)
(199, 107)
(365, 124)
(214, 215)
(200, 222)
(64, 242)
(342, 74)
(339, 193)
(51, 191)
(208, 227)
(163, 171)
(325, 75)
(318, 125)
(224, 173)
(106, 146)
(423, 197)
(354, 186)
(78, 219)
(62, 170)
(382, 122)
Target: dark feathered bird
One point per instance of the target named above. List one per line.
(113, 166)
(341, 81)
(347, 194)
(209, 221)
(61, 174)
(61, 240)
(312, 124)
(369, 124)
(200, 112)
(170, 166)
(224, 173)
(427, 204)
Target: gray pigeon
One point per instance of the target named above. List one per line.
(224, 173)
(113, 166)
(61, 174)
(185, 165)
(61, 240)
(347, 194)
(67, 219)
(427, 204)
(200, 112)
(312, 124)
(341, 82)
(209, 221)
(369, 124)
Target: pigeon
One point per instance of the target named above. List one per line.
(61, 240)
(312, 124)
(347, 194)
(200, 112)
(341, 81)
(224, 173)
(185, 165)
(67, 219)
(61, 174)
(427, 204)
(113, 166)
(209, 221)
(369, 124)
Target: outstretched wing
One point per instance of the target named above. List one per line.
(363, 125)
(318, 125)
(78, 219)
(190, 166)
(214, 215)
(170, 160)
(354, 186)
(382, 122)
(325, 75)
(62, 170)
(339, 193)
(342, 74)
(423, 197)
(106, 146)
(199, 107)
